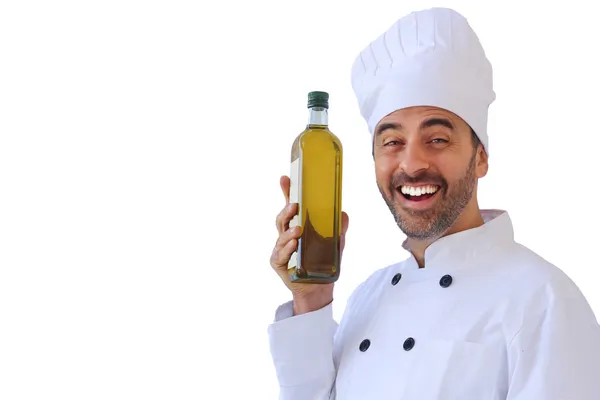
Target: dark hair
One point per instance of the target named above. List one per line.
(476, 141)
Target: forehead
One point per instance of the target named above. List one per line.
(413, 116)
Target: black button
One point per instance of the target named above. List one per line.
(396, 278)
(446, 281)
(409, 344)
(364, 345)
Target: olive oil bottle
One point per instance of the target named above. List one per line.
(316, 185)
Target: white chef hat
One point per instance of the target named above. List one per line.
(427, 58)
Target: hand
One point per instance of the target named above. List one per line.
(307, 296)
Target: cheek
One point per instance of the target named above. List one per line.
(452, 177)
(383, 173)
(454, 174)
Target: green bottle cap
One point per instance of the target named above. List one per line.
(318, 99)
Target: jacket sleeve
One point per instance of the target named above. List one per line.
(306, 348)
(302, 351)
(556, 353)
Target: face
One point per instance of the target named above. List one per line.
(427, 169)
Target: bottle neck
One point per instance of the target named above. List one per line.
(318, 116)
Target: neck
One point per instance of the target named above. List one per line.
(469, 219)
(318, 116)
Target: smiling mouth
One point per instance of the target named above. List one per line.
(418, 193)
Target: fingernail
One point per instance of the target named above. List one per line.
(290, 206)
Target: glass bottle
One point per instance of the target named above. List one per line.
(316, 185)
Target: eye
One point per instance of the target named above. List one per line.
(391, 142)
(438, 140)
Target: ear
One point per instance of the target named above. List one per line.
(481, 162)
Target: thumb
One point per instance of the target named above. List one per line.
(345, 223)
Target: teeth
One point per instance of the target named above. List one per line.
(419, 190)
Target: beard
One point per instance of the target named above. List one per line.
(434, 222)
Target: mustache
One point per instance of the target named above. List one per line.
(424, 177)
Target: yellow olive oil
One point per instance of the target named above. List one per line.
(316, 185)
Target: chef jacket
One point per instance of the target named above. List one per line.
(486, 319)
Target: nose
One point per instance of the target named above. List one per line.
(413, 160)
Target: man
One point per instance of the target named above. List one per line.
(470, 314)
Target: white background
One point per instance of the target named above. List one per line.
(141, 145)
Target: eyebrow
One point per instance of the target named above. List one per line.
(387, 125)
(425, 124)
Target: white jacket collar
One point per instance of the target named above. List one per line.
(461, 247)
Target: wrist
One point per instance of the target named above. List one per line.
(303, 305)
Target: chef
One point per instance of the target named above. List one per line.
(470, 314)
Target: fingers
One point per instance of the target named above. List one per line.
(284, 183)
(283, 218)
(286, 244)
(281, 257)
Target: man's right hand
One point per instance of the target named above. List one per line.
(307, 297)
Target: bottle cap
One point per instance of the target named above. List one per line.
(318, 99)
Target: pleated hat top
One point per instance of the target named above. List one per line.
(427, 58)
